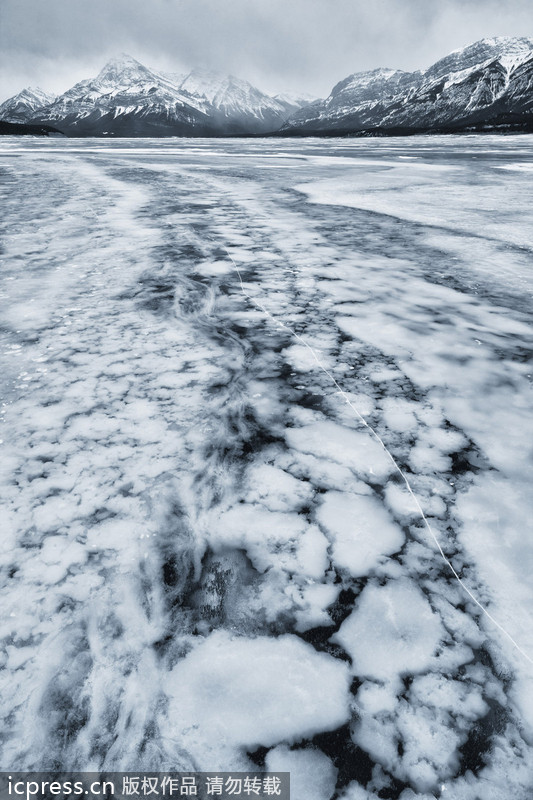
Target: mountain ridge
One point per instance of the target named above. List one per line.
(489, 82)
(485, 85)
(130, 99)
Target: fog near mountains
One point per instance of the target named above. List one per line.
(302, 46)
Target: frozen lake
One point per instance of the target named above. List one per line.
(266, 468)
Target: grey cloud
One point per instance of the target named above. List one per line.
(301, 44)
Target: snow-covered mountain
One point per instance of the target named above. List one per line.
(125, 98)
(488, 83)
(129, 99)
(23, 105)
(235, 103)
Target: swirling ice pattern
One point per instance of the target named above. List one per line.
(209, 563)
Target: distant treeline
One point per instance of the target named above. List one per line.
(17, 129)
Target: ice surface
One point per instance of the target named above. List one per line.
(272, 539)
(193, 510)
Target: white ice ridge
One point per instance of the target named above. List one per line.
(389, 454)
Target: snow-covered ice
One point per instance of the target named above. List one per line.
(209, 559)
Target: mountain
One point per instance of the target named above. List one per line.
(292, 101)
(234, 104)
(20, 107)
(129, 99)
(485, 85)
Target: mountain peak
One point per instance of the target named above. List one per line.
(122, 61)
(496, 45)
(36, 90)
(366, 82)
(507, 49)
(506, 42)
(24, 104)
(120, 68)
(296, 99)
(36, 94)
(208, 84)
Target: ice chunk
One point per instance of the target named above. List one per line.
(361, 529)
(59, 555)
(428, 460)
(301, 358)
(313, 776)
(354, 791)
(399, 414)
(401, 501)
(378, 736)
(392, 631)
(373, 698)
(456, 697)
(236, 692)
(277, 489)
(431, 742)
(272, 538)
(313, 600)
(324, 474)
(356, 449)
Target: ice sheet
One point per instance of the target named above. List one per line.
(193, 510)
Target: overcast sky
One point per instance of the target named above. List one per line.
(301, 45)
